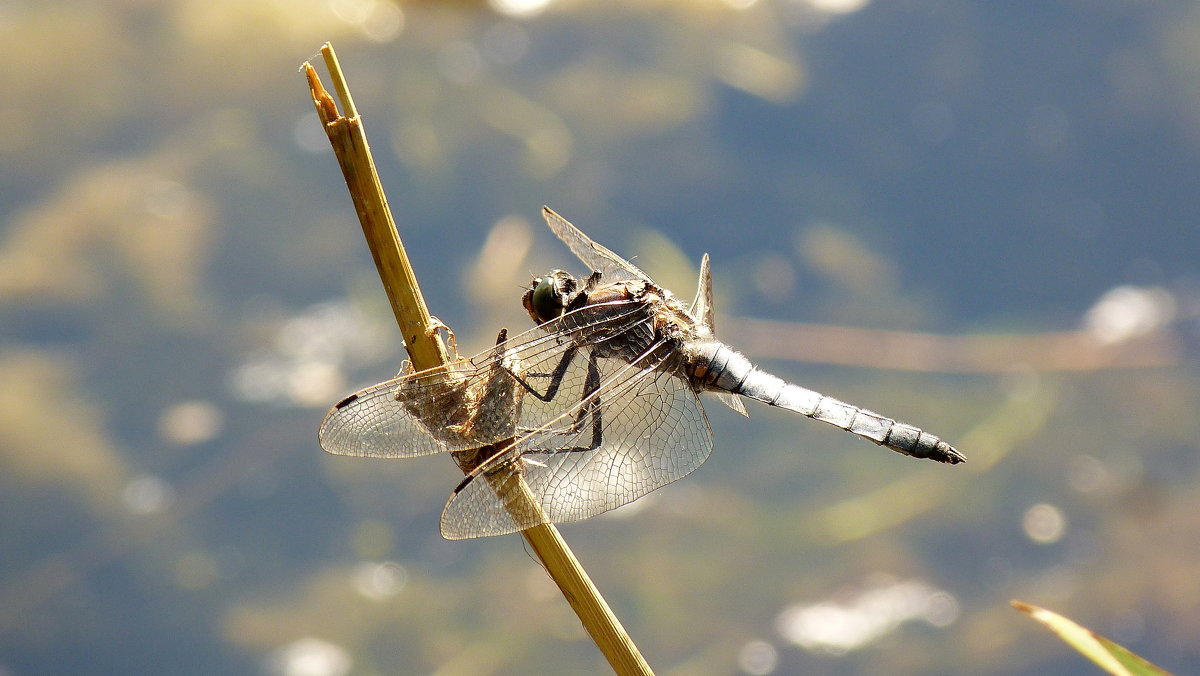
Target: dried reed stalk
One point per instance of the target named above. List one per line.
(426, 350)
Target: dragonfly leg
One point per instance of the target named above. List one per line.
(591, 406)
(590, 409)
(556, 377)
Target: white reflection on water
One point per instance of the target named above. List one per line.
(1044, 523)
(838, 6)
(379, 581)
(304, 364)
(758, 658)
(754, 71)
(866, 616)
(190, 422)
(522, 9)
(1128, 312)
(309, 656)
(147, 494)
(385, 22)
(379, 20)
(1088, 474)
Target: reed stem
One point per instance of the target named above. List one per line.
(426, 350)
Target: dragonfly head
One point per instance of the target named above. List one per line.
(547, 297)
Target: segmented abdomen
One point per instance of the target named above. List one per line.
(716, 366)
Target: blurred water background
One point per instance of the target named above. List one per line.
(976, 217)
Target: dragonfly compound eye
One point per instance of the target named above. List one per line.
(546, 301)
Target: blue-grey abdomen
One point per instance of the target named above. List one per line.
(716, 366)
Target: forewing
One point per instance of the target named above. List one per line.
(702, 305)
(394, 419)
(594, 255)
(469, 403)
(654, 432)
(461, 405)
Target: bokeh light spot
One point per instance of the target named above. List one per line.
(147, 495)
(190, 422)
(310, 656)
(1044, 524)
(521, 9)
(758, 658)
(379, 581)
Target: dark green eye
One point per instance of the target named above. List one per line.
(546, 302)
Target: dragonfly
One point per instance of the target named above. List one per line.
(593, 408)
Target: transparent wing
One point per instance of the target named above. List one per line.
(594, 255)
(474, 402)
(409, 416)
(653, 432)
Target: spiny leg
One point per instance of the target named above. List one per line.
(592, 406)
(556, 377)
